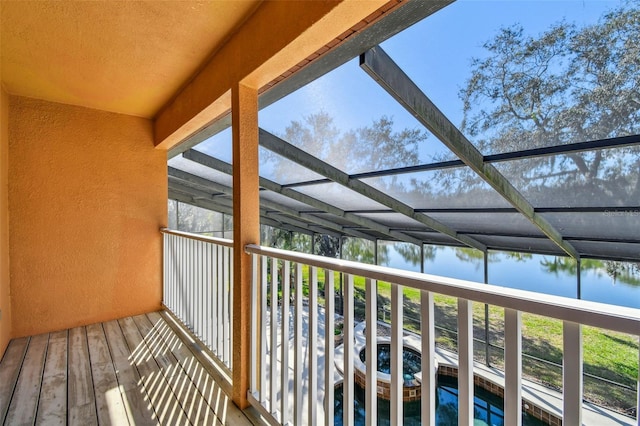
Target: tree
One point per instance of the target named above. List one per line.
(276, 237)
(359, 250)
(375, 147)
(185, 217)
(287, 240)
(367, 148)
(566, 85)
(326, 245)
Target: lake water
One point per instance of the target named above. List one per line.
(613, 283)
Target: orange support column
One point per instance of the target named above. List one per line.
(246, 229)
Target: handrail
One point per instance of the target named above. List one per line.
(220, 241)
(197, 285)
(622, 319)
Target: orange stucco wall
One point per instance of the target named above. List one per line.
(268, 44)
(87, 196)
(5, 301)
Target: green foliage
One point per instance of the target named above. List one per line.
(188, 218)
(375, 147)
(326, 245)
(568, 84)
(359, 250)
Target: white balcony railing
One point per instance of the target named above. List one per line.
(198, 273)
(289, 385)
(292, 347)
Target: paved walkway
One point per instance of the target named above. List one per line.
(541, 396)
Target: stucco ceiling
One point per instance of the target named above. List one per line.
(125, 57)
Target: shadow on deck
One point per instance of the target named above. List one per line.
(136, 370)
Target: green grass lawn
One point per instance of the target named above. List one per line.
(607, 354)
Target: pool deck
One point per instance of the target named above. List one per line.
(547, 399)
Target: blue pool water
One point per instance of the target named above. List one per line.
(488, 408)
(410, 360)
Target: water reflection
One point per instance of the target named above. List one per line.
(488, 408)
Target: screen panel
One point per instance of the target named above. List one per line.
(599, 178)
(340, 196)
(198, 169)
(458, 187)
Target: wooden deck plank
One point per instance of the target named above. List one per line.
(210, 380)
(132, 390)
(144, 370)
(109, 405)
(24, 403)
(192, 401)
(81, 399)
(164, 358)
(52, 409)
(9, 372)
(168, 408)
(225, 411)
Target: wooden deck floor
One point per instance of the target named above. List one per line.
(136, 370)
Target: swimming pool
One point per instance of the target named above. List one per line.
(488, 408)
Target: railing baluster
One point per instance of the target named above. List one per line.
(263, 333)
(371, 318)
(205, 294)
(329, 320)
(199, 288)
(190, 281)
(572, 373)
(169, 267)
(428, 360)
(284, 354)
(178, 286)
(176, 279)
(638, 387)
(513, 367)
(253, 389)
(193, 285)
(195, 263)
(348, 383)
(465, 361)
(174, 261)
(397, 379)
(165, 264)
(165, 269)
(213, 295)
(313, 344)
(203, 291)
(273, 359)
(227, 313)
(214, 302)
(298, 349)
(230, 305)
(186, 279)
(220, 296)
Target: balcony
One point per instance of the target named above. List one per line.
(84, 182)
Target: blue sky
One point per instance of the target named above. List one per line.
(435, 53)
